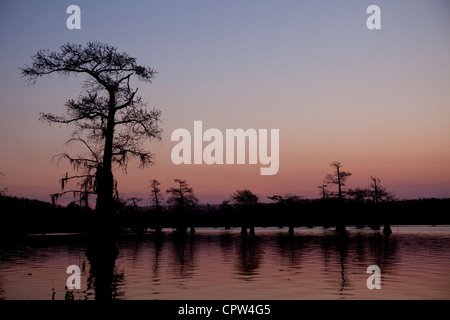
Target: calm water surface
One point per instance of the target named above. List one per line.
(221, 264)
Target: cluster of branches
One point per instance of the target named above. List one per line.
(181, 196)
(375, 192)
(5, 189)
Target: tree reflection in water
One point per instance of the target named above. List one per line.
(213, 260)
(248, 257)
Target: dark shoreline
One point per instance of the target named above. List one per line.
(23, 216)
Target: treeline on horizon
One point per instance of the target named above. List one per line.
(25, 216)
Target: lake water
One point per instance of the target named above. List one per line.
(222, 264)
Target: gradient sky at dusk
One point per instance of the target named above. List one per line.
(376, 100)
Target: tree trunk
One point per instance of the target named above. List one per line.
(102, 246)
(339, 183)
(375, 192)
(105, 186)
(291, 230)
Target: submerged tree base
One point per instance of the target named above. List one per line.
(102, 247)
(102, 253)
(387, 230)
(291, 230)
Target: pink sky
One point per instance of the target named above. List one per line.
(376, 100)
